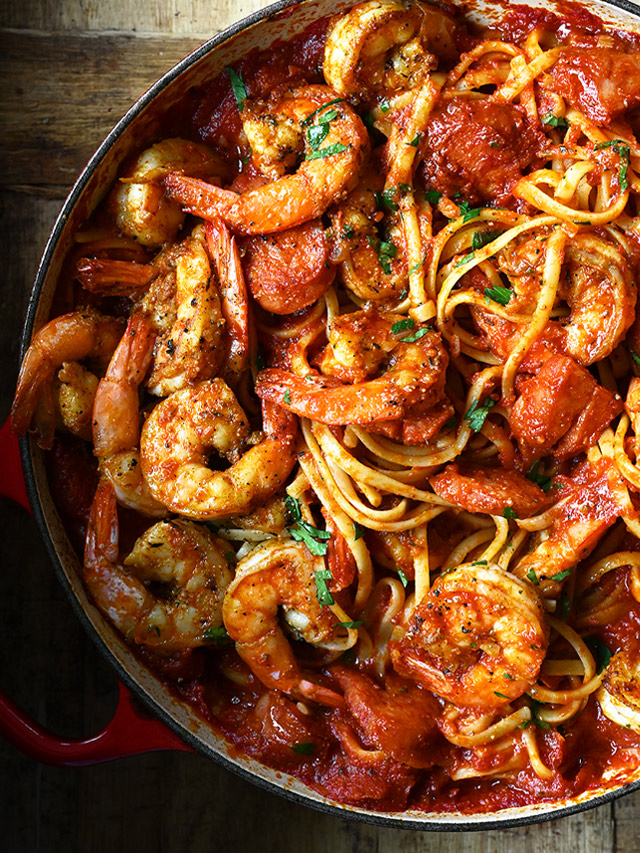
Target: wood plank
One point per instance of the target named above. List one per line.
(182, 17)
(64, 93)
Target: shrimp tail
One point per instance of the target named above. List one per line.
(322, 695)
(198, 197)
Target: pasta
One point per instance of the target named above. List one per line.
(361, 354)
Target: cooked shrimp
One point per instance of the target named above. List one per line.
(329, 169)
(415, 373)
(233, 295)
(115, 277)
(382, 46)
(192, 349)
(602, 296)
(477, 638)
(186, 559)
(71, 337)
(140, 207)
(491, 490)
(116, 417)
(279, 574)
(76, 392)
(183, 429)
(619, 695)
(371, 267)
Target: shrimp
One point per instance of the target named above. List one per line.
(601, 295)
(414, 374)
(477, 638)
(330, 168)
(279, 574)
(382, 47)
(116, 417)
(139, 204)
(233, 292)
(71, 337)
(372, 268)
(179, 435)
(186, 559)
(619, 695)
(192, 349)
(76, 393)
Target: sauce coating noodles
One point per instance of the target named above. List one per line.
(363, 362)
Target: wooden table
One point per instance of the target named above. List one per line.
(70, 68)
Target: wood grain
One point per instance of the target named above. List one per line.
(70, 69)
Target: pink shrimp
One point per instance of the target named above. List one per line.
(116, 417)
(72, 337)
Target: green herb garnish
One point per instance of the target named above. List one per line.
(402, 325)
(403, 578)
(322, 590)
(433, 196)
(535, 476)
(353, 625)
(600, 652)
(219, 636)
(329, 151)
(477, 413)
(287, 397)
(533, 577)
(304, 748)
(238, 87)
(555, 121)
(499, 294)
(561, 575)
(310, 117)
(509, 512)
(481, 238)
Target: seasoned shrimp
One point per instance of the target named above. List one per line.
(619, 695)
(382, 47)
(139, 203)
(330, 167)
(179, 435)
(371, 267)
(192, 349)
(275, 575)
(75, 393)
(477, 638)
(233, 296)
(72, 337)
(415, 373)
(116, 417)
(186, 559)
(602, 296)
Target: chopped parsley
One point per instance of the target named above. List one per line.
(635, 356)
(402, 326)
(415, 336)
(219, 636)
(535, 476)
(433, 196)
(417, 266)
(353, 625)
(317, 133)
(302, 531)
(358, 532)
(329, 151)
(533, 577)
(561, 575)
(287, 397)
(481, 238)
(501, 695)
(499, 294)
(322, 590)
(237, 86)
(385, 200)
(306, 748)
(477, 413)
(555, 121)
(385, 251)
(415, 141)
(465, 259)
(403, 578)
(385, 106)
(470, 214)
(311, 116)
(600, 652)
(509, 512)
(622, 149)
(535, 718)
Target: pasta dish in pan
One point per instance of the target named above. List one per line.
(341, 399)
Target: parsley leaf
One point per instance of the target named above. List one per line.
(238, 87)
(635, 356)
(465, 259)
(313, 538)
(317, 133)
(470, 214)
(561, 575)
(481, 238)
(329, 151)
(541, 480)
(533, 577)
(322, 590)
(402, 325)
(555, 121)
(353, 625)
(509, 512)
(622, 149)
(433, 196)
(293, 507)
(304, 748)
(535, 708)
(358, 532)
(501, 695)
(600, 652)
(287, 397)
(477, 413)
(310, 117)
(501, 295)
(403, 578)
(415, 141)
(219, 636)
(385, 106)
(415, 336)
(384, 200)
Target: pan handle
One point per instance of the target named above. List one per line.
(129, 732)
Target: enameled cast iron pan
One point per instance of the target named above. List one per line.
(183, 728)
